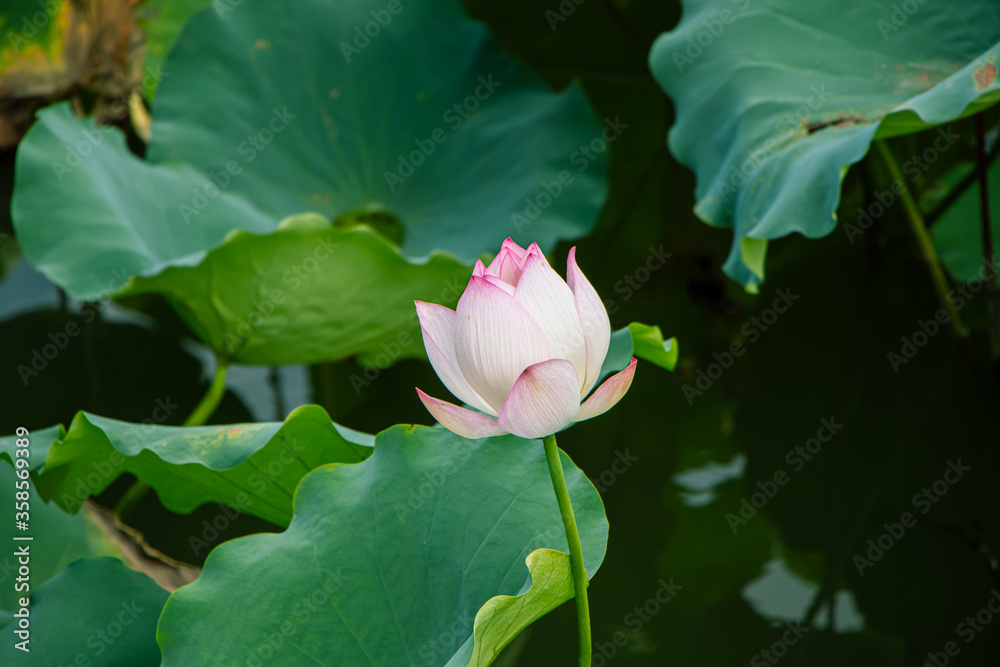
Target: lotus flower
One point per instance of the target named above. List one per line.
(523, 346)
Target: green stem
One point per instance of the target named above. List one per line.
(920, 232)
(213, 396)
(986, 230)
(580, 580)
(198, 416)
(132, 496)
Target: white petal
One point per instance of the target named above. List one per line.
(495, 339)
(608, 394)
(544, 400)
(498, 282)
(460, 421)
(593, 318)
(550, 302)
(487, 274)
(532, 251)
(437, 324)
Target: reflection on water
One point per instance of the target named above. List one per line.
(782, 595)
(24, 290)
(699, 482)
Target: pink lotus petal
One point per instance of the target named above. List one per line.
(479, 271)
(495, 339)
(607, 395)
(497, 282)
(593, 319)
(513, 248)
(543, 401)
(508, 270)
(508, 262)
(549, 300)
(460, 421)
(532, 251)
(437, 324)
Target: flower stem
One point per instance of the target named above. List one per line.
(198, 417)
(580, 580)
(923, 238)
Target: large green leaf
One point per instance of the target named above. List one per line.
(39, 443)
(260, 145)
(296, 311)
(161, 22)
(770, 137)
(95, 612)
(387, 562)
(252, 467)
(58, 538)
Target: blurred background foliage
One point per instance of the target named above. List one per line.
(690, 458)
